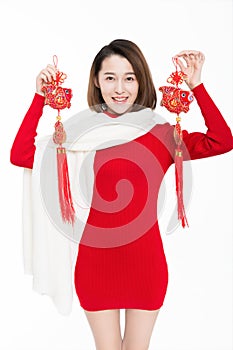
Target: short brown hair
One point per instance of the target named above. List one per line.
(146, 93)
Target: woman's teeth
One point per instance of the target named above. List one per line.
(120, 99)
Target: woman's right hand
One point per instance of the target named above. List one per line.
(44, 77)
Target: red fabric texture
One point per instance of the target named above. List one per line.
(23, 148)
(132, 275)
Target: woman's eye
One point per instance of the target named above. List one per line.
(109, 78)
(129, 78)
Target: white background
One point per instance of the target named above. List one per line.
(197, 313)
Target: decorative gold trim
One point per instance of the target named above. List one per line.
(179, 153)
(61, 150)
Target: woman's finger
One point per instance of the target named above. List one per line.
(48, 74)
(192, 57)
(45, 75)
(188, 52)
(52, 70)
(187, 59)
(201, 57)
(181, 65)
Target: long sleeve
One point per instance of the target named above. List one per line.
(23, 148)
(218, 138)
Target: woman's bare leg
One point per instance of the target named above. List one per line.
(139, 325)
(105, 326)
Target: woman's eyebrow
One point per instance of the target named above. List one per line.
(115, 73)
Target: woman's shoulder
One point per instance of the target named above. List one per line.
(162, 127)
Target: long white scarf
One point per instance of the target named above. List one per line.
(50, 247)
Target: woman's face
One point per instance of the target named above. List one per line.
(118, 84)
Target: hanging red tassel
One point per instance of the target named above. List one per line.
(65, 197)
(59, 98)
(177, 101)
(179, 174)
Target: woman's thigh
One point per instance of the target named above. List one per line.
(139, 325)
(105, 326)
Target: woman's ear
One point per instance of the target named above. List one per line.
(96, 82)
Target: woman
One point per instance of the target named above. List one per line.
(131, 275)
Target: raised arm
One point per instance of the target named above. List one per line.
(23, 148)
(218, 138)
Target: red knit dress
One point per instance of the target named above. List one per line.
(121, 262)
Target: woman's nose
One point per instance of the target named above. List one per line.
(119, 87)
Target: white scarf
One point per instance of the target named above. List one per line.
(50, 256)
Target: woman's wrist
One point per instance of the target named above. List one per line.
(192, 86)
(40, 93)
(40, 98)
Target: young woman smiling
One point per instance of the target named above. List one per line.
(125, 267)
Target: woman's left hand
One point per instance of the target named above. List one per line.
(194, 62)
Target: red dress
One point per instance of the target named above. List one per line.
(120, 265)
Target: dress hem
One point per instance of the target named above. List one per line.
(122, 308)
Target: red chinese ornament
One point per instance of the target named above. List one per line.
(59, 98)
(176, 101)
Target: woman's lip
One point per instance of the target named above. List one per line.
(119, 99)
